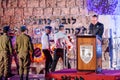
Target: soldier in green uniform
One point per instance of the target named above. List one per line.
(23, 47)
(5, 48)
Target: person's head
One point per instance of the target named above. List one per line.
(61, 27)
(94, 19)
(6, 29)
(23, 28)
(48, 29)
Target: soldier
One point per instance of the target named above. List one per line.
(23, 46)
(5, 48)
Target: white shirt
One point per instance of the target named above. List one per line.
(44, 41)
(61, 39)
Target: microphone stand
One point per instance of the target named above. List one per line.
(65, 56)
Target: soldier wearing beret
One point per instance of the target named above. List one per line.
(5, 49)
(23, 47)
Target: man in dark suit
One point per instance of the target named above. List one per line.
(97, 28)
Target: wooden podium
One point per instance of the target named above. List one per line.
(86, 52)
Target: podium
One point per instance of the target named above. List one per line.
(86, 52)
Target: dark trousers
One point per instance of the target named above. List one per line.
(48, 61)
(59, 53)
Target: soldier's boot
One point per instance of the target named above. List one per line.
(21, 77)
(26, 76)
(0, 77)
(5, 78)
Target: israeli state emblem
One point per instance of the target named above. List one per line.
(86, 53)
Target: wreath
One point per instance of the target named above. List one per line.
(38, 54)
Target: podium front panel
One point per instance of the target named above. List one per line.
(86, 53)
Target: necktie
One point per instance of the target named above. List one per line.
(48, 41)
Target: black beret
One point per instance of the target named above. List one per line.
(48, 27)
(6, 28)
(23, 28)
(61, 25)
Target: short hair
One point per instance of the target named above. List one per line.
(6, 29)
(23, 28)
(61, 26)
(48, 27)
(95, 16)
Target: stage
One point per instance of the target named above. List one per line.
(31, 77)
(72, 74)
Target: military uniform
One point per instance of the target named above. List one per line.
(5, 48)
(23, 46)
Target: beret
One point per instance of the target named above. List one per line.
(23, 28)
(61, 25)
(6, 28)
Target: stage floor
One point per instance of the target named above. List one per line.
(31, 77)
(72, 74)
